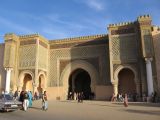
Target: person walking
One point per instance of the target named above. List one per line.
(26, 102)
(44, 101)
(30, 98)
(126, 101)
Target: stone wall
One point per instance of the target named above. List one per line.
(2, 71)
(97, 55)
(156, 42)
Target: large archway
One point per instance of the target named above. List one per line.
(80, 81)
(126, 83)
(71, 67)
(27, 83)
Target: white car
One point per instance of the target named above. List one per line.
(7, 103)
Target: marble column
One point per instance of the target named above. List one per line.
(8, 79)
(149, 76)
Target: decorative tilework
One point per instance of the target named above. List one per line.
(124, 48)
(82, 53)
(27, 56)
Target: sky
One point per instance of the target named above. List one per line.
(57, 19)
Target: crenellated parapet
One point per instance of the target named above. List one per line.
(11, 37)
(144, 17)
(144, 21)
(122, 28)
(33, 39)
(33, 36)
(155, 30)
(29, 36)
(121, 24)
(77, 39)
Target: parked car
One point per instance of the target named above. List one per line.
(7, 103)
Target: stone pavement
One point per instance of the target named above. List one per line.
(88, 110)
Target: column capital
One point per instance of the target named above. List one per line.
(148, 59)
(8, 68)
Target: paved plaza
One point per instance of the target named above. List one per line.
(88, 110)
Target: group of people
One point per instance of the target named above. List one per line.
(27, 98)
(79, 96)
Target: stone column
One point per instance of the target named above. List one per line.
(8, 79)
(149, 76)
(115, 89)
(34, 87)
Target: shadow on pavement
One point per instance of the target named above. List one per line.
(148, 112)
(139, 104)
(36, 108)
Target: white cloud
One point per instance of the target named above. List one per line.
(14, 26)
(94, 4)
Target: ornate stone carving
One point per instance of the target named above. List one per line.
(83, 53)
(123, 31)
(124, 48)
(28, 42)
(42, 61)
(27, 56)
(147, 45)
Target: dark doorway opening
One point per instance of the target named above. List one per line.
(27, 83)
(126, 82)
(80, 81)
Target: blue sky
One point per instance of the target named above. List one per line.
(56, 19)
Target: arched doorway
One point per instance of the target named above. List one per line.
(27, 83)
(41, 83)
(70, 68)
(126, 83)
(80, 81)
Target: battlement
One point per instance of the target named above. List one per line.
(121, 24)
(10, 36)
(156, 28)
(29, 36)
(34, 36)
(142, 17)
(78, 38)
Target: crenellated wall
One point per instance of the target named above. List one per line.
(51, 63)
